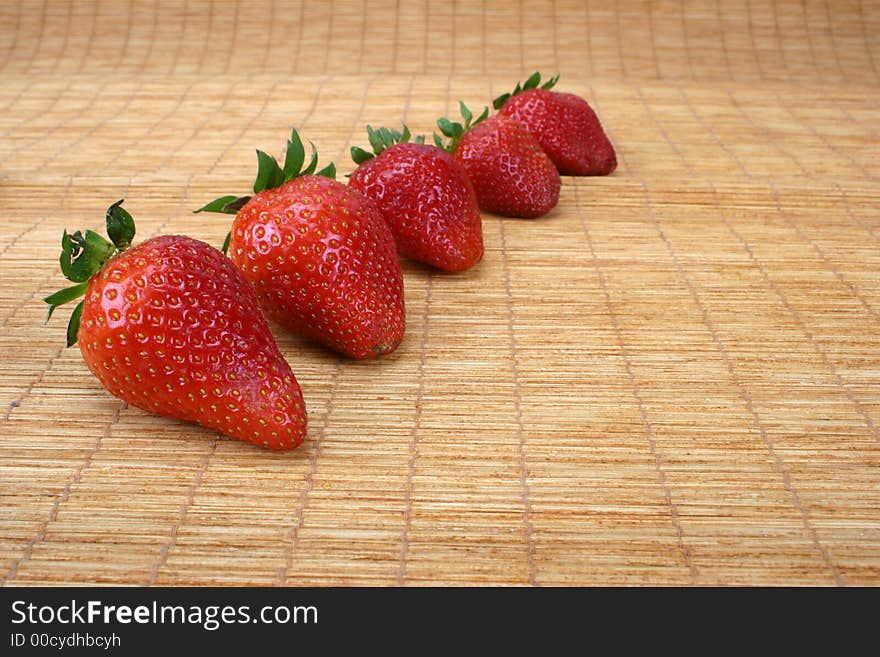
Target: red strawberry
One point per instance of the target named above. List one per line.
(319, 255)
(425, 197)
(564, 124)
(512, 176)
(170, 326)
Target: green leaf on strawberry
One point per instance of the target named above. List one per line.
(328, 171)
(531, 83)
(120, 226)
(222, 204)
(381, 139)
(454, 131)
(73, 324)
(64, 296)
(293, 158)
(271, 175)
(83, 255)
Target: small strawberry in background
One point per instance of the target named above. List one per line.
(511, 175)
(320, 257)
(564, 124)
(425, 197)
(170, 326)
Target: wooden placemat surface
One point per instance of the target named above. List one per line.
(673, 378)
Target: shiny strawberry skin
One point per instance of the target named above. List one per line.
(323, 263)
(567, 128)
(428, 200)
(170, 326)
(511, 175)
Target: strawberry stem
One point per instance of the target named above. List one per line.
(271, 175)
(83, 255)
(64, 296)
(381, 139)
(455, 131)
(531, 83)
(328, 171)
(120, 226)
(73, 324)
(293, 157)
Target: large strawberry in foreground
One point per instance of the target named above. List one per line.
(424, 195)
(511, 175)
(170, 326)
(564, 124)
(321, 259)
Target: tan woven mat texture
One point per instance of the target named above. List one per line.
(673, 378)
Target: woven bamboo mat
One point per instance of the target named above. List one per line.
(673, 378)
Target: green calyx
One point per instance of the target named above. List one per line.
(532, 82)
(270, 175)
(455, 131)
(381, 139)
(83, 255)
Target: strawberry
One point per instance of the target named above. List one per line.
(319, 255)
(511, 175)
(564, 124)
(424, 195)
(170, 326)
